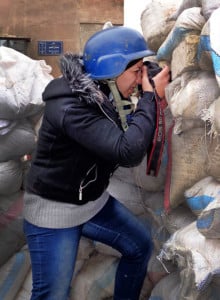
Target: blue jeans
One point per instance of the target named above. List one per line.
(53, 252)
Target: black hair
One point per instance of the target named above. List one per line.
(132, 63)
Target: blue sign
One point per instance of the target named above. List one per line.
(50, 47)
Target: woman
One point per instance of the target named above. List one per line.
(81, 142)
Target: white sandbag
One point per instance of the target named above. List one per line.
(13, 273)
(172, 287)
(18, 141)
(207, 7)
(211, 114)
(187, 155)
(96, 279)
(155, 22)
(22, 81)
(208, 222)
(190, 21)
(167, 288)
(11, 176)
(189, 94)
(201, 194)
(11, 225)
(196, 256)
(86, 248)
(106, 250)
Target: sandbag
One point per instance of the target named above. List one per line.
(196, 256)
(204, 49)
(190, 21)
(213, 158)
(187, 153)
(189, 94)
(95, 279)
(157, 270)
(172, 287)
(201, 194)
(209, 47)
(207, 7)
(155, 22)
(211, 115)
(167, 288)
(19, 141)
(184, 56)
(11, 177)
(22, 81)
(208, 222)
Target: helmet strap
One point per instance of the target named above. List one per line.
(124, 107)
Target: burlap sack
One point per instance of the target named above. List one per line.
(196, 256)
(155, 21)
(201, 194)
(186, 164)
(208, 222)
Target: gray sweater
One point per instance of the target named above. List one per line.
(52, 214)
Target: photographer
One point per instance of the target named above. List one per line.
(82, 140)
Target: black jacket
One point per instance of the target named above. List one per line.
(81, 141)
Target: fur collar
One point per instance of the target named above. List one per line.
(71, 66)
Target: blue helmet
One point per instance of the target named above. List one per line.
(108, 52)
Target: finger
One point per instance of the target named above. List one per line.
(144, 70)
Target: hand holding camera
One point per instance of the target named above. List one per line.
(154, 77)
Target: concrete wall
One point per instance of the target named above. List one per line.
(47, 20)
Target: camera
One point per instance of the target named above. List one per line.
(153, 68)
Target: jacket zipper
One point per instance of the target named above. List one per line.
(81, 187)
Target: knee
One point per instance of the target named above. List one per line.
(141, 248)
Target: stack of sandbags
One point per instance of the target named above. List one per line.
(165, 203)
(22, 81)
(192, 184)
